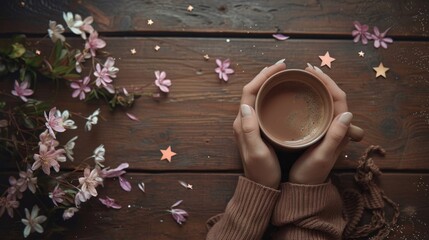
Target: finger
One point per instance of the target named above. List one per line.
(252, 88)
(250, 128)
(335, 135)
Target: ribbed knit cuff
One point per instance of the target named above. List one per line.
(247, 213)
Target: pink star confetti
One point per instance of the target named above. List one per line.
(190, 8)
(361, 54)
(326, 60)
(149, 22)
(167, 154)
(133, 51)
(38, 52)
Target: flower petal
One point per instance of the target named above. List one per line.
(280, 37)
(124, 184)
(132, 117)
(176, 204)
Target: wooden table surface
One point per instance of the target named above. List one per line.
(196, 117)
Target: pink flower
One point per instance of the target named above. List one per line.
(57, 195)
(80, 58)
(8, 203)
(223, 69)
(109, 202)
(179, 215)
(361, 33)
(14, 190)
(90, 181)
(28, 181)
(54, 123)
(81, 87)
(380, 39)
(22, 91)
(105, 74)
(94, 43)
(47, 158)
(69, 213)
(161, 82)
(47, 140)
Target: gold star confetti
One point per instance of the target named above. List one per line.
(206, 57)
(133, 51)
(38, 52)
(190, 8)
(380, 70)
(189, 186)
(361, 54)
(167, 154)
(326, 60)
(149, 22)
(157, 48)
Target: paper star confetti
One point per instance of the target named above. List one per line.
(157, 48)
(186, 185)
(380, 70)
(149, 22)
(206, 57)
(38, 52)
(326, 60)
(361, 54)
(190, 8)
(133, 51)
(167, 154)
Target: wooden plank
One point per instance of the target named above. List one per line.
(143, 214)
(196, 117)
(333, 17)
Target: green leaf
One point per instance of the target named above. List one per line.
(17, 50)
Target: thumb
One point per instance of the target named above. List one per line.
(335, 135)
(250, 127)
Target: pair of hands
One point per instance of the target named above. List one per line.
(259, 158)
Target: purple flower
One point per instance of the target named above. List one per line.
(22, 91)
(94, 43)
(179, 215)
(109, 202)
(54, 122)
(161, 82)
(223, 69)
(8, 203)
(57, 195)
(47, 158)
(361, 33)
(116, 172)
(105, 74)
(81, 87)
(380, 39)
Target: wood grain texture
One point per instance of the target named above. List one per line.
(333, 17)
(143, 215)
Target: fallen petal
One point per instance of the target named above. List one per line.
(132, 117)
(176, 204)
(142, 187)
(124, 184)
(184, 184)
(280, 37)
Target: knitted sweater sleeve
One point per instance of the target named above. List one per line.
(308, 212)
(247, 214)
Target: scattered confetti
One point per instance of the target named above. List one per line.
(38, 52)
(228, 40)
(133, 51)
(380, 70)
(142, 187)
(361, 54)
(157, 48)
(149, 22)
(167, 154)
(190, 8)
(186, 185)
(132, 117)
(280, 37)
(206, 57)
(326, 60)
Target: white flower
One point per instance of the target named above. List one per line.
(67, 123)
(69, 213)
(32, 223)
(55, 31)
(69, 148)
(99, 155)
(92, 120)
(74, 23)
(90, 181)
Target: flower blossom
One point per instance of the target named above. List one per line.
(27, 180)
(380, 39)
(67, 123)
(109, 202)
(32, 221)
(47, 158)
(361, 33)
(54, 122)
(14, 190)
(80, 88)
(92, 120)
(77, 26)
(69, 213)
(104, 75)
(223, 69)
(68, 148)
(22, 90)
(8, 203)
(179, 215)
(55, 31)
(99, 155)
(80, 58)
(94, 43)
(47, 140)
(90, 181)
(81, 197)
(161, 82)
(57, 195)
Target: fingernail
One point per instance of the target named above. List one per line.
(318, 69)
(264, 69)
(280, 61)
(346, 118)
(245, 110)
(309, 65)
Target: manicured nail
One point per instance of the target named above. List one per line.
(309, 65)
(318, 69)
(245, 110)
(280, 61)
(346, 118)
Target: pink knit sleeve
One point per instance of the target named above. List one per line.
(308, 212)
(247, 214)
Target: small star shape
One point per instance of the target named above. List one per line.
(206, 57)
(189, 186)
(167, 154)
(361, 54)
(149, 22)
(157, 48)
(326, 60)
(190, 8)
(380, 70)
(133, 51)
(38, 52)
